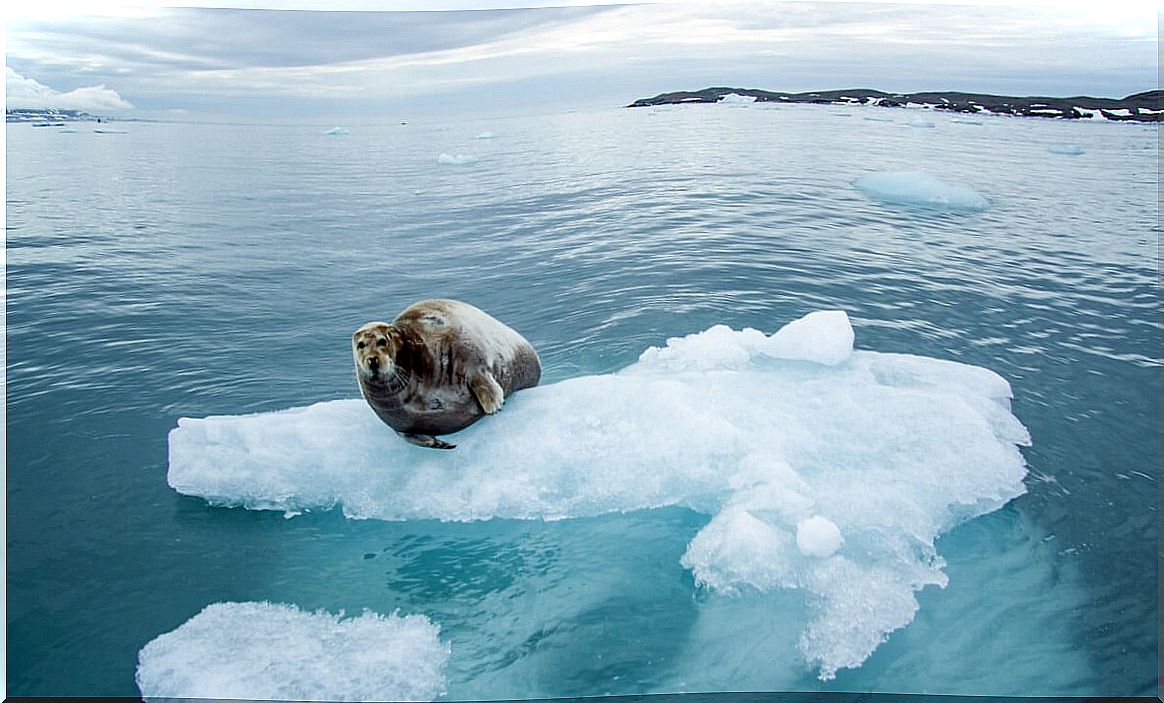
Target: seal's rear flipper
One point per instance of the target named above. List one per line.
(424, 440)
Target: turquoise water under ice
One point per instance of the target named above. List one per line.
(185, 270)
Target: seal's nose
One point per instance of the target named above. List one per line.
(374, 364)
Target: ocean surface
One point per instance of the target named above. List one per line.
(189, 270)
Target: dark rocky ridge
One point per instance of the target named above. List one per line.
(1141, 107)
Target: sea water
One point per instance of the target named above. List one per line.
(197, 270)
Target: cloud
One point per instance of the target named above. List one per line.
(220, 60)
(28, 92)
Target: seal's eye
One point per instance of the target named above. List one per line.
(361, 345)
(382, 342)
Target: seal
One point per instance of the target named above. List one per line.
(440, 366)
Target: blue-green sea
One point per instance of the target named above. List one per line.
(187, 270)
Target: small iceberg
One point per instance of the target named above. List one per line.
(919, 189)
(737, 99)
(265, 651)
(336, 132)
(456, 159)
(823, 469)
(1068, 149)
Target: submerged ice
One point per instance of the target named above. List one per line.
(456, 159)
(919, 189)
(266, 651)
(824, 469)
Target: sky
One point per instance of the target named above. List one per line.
(148, 60)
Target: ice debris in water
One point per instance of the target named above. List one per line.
(266, 651)
(1068, 149)
(336, 132)
(456, 159)
(919, 188)
(486, 135)
(823, 469)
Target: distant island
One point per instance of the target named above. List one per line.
(1141, 107)
(51, 116)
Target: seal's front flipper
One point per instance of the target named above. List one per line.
(424, 440)
(488, 391)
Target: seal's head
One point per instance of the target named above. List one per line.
(374, 349)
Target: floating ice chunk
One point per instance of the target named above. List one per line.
(486, 135)
(336, 132)
(963, 120)
(1068, 149)
(893, 449)
(920, 122)
(823, 337)
(818, 537)
(456, 159)
(878, 118)
(919, 189)
(265, 651)
(737, 99)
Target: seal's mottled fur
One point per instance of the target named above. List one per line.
(440, 366)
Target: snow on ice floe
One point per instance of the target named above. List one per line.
(824, 469)
(1068, 149)
(818, 536)
(265, 651)
(919, 189)
(456, 159)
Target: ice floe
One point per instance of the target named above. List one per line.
(486, 135)
(1068, 149)
(919, 189)
(456, 159)
(336, 132)
(266, 651)
(823, 469)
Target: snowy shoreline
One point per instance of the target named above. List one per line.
(1140, 107)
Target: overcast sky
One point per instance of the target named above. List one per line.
(251, 64)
